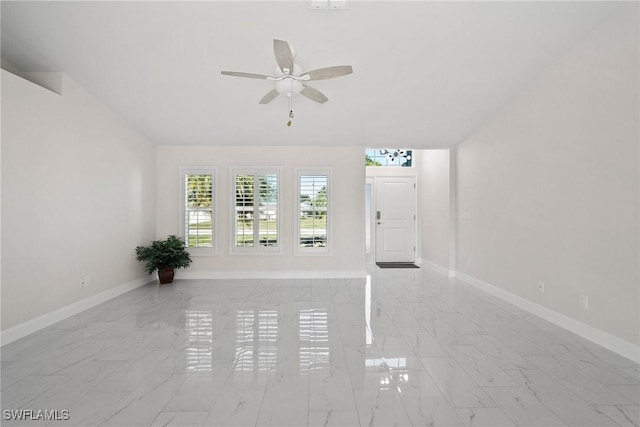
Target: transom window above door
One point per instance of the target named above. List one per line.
(399, 157)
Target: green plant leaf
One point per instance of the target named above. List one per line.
(163, 254)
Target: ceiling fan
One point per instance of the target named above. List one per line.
(290, 79)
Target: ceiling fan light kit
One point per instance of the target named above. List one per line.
(289, 77)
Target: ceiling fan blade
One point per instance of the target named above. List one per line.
(314, 94)
(270, 96)
(241, 74)
(328, 72)
(284, 56)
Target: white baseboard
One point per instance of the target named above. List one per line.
(23, 329)
(279, 274)
(611, 342)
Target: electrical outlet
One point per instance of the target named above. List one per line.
(584, 302)
(541, 286)
(84, 282)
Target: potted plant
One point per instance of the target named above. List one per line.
(164, 256)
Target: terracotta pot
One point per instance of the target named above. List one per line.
(166, 275)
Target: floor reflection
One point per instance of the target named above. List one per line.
(199, 350)
(367, 311)
(256, 342)
(394, 371)
(302, 345)
(314, 341)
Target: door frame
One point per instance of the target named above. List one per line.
(371, 258)
(370, 220)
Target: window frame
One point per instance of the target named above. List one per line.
(313, 251)
(256, 249)
(199, 170)
(386, 164)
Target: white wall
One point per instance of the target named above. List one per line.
(347, 197)
(78, 188)
(434, 207)
(551, 185)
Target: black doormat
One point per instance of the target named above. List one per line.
(396, 265)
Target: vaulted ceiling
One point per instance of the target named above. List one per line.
(426, 73)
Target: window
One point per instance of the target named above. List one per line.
(388, 157)
(198, 210)
(256, 218)
(313, 214)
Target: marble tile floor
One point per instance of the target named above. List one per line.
(402, 348)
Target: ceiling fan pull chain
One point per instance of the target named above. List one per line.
(290, 107)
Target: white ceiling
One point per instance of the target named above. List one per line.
(426, 74)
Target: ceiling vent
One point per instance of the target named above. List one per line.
(329, 4)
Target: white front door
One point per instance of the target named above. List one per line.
(395, 219)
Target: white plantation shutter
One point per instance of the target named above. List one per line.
(256, 211)
(198, 209)
(313, 211)
(245, 210)
(268, 210)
